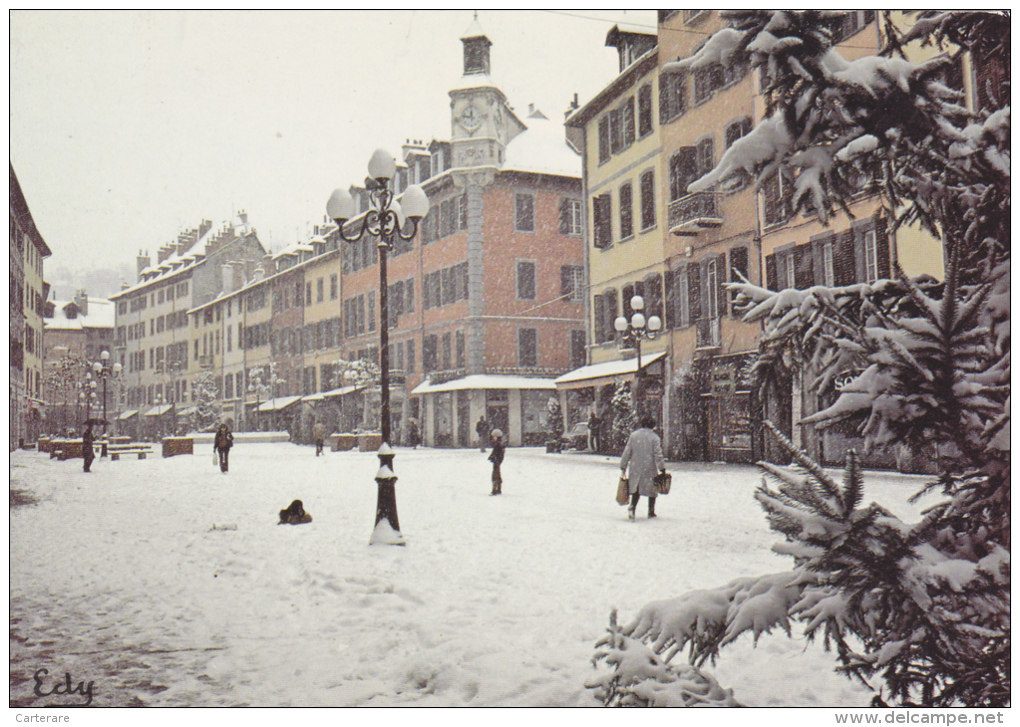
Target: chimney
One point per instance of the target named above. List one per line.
(143, 262)
(204, 228)
(81, 299)
(268, 266)
(227, 277)
(260, 274)
(124, 285)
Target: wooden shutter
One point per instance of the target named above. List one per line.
(844, 259)
(882, 248)
(669, 318)
(693, 292)
(564, 216)
(599, 318)
(738, 264)
(804, 266)
(771, 273)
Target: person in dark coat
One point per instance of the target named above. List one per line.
(643, 454)
(413, 436)
(319, 434)
(593, 431)
(295, 514)
(496, 457)
(482, 428)
(88, 450)
(222, 444)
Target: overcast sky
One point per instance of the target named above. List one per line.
(127, 127)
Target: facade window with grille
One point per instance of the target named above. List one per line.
(527, 347)
(871, 255)
(525, 280)
(647, 199)
(602, 210)
(626, 211)
(570, 216)
(572, 283)
(524, 212)
(644, 110)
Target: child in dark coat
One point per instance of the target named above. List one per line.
(496, 457)
(295, 514)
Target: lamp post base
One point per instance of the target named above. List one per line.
(387, 526)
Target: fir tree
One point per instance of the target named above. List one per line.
(624, 415)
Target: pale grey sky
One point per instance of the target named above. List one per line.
(127, 127)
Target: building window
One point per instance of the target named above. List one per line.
(604, 139)
(706, 156)
(577, 349)
(319, 290)
(524, 213)
(627, 122)
(602, 210)
(570, 216)
(429, 353)
(645, 110)
(572, 283)
(525, 280)
(371, 311)
(460, 350)
(648, 199)
(672, 96)
(683, 170)
(871, 255)
(775, 193)
(410, 357)
(333, 287)
(527, 347)
(626, 211)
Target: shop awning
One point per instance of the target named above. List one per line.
(280, 402)
(187, 412)
(484, 381)
(332, 393)
(159, 410)
(607, 372)
(128, 414)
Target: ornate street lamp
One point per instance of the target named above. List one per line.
(104, 370)
(384, 220)
(634, 330)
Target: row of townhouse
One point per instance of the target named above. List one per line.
(646, 136)
(28, 293)
(486, 302)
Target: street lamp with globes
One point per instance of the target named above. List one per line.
(384, 220)
(634, 330)
(104, 370)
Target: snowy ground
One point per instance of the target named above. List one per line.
(119, 578)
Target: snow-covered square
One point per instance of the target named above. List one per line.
(167, 583)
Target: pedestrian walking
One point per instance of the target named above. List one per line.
(482, 428)
(643, 455)
(593, 431)
(319, 433)
(222, 444)
(413, 435)
(496, 457)
(88, 451)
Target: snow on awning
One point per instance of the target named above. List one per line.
(280, 402)
(484, 381)
(188, 412)
(128, 414)
(159, 410)
(343, 390)
(606, 372)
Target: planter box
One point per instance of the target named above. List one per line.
(343, 442)
(369, 442)
(120, 440)
(43, 443)
(177, 445)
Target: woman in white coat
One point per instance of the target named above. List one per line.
(643, 454)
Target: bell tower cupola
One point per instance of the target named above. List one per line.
(476, 49)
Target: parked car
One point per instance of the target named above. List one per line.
(576, 437)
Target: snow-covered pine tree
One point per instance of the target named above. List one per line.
(624, 415)
(205, 395)
(554, 417)
(925, 605)
(359, 372)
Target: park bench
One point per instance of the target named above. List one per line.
(116, 451)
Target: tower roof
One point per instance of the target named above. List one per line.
(474, 30)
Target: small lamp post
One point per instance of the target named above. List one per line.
(104, 371)
(384, 220)
(633, 331)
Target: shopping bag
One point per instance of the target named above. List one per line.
(662, 482)
(623, 491)
(215, 457)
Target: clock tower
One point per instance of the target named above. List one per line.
(482, 122)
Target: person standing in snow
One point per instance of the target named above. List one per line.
(319, 433)
(88, 451)
(496, 457)
(482, 428)
(643, 455)
(222, 444)
(593, 431)
(413, 437)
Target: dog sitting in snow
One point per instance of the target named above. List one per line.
(294, 515)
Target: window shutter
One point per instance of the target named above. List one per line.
(882, 248)
(564, 216)
(669, 318)
(844, 259)
(771, 273)
(653, 296)
(628, 122)
(566, 280)
(598, 319)
(665, 81)
(693, 292)
(738, 267)
(706, 156)
(804, 266)
(610, 313)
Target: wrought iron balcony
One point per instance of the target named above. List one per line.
(691, 214)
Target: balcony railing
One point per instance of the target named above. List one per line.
(695, 212)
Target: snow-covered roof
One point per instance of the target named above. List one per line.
(159, 410)
(334, 392)
(280, 402)
(484, 381)
(128, 414)
(542, 148)
(100, 315)
(606, 370)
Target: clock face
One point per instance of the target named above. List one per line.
(471, 118)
